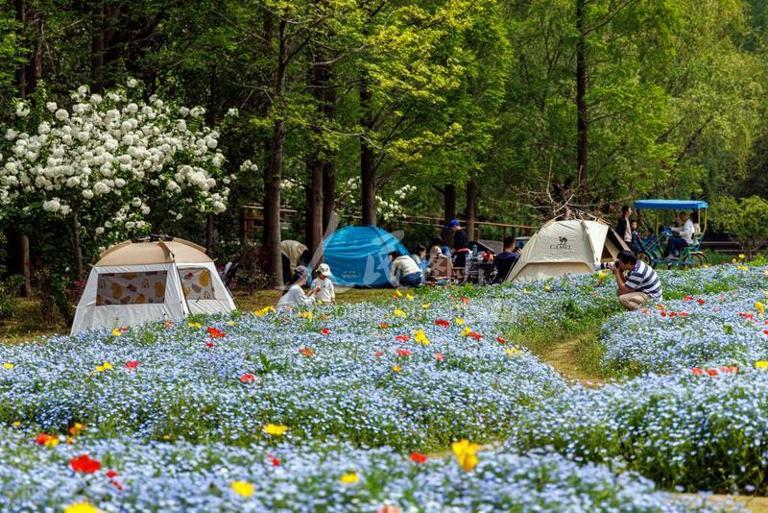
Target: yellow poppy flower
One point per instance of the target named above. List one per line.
(426, 306)
(242, 488)
(8, 365)
(264, 311)
(410, 297)
(761, 364)
(459, 321)
(104, 367)
(81, 507)
(349, 478)
(420, 337)
(16, 423)
(397, 368)
(512, 351)
(399, 313)
(760, 307)
(275, 429)
(466, 454)
(306, 315)
(116, 332)
(466, 331)
(398, 293)
(195, 325)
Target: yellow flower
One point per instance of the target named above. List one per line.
(264, 311)
(547, 288)
(512, 351)
(16, 423)
(525, 290)
(465, 453)
(466, 331)
(742, 268)
(742, 256)
(306, 315)
(8, 365)
(104, 367)
(275, 429)
(242, 488)
(426, 306)
(81, 507)
(399, 313)
(349, 478)
(760, 307)
(761, 364)
(398, 293)
(459, 321)
(396, 368)
(195, 325)
(231, 323)
(420, 337)
(117, 332)
(410, 297)
(76, 429)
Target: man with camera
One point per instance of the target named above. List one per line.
(641, 284)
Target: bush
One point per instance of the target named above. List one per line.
(746, 220)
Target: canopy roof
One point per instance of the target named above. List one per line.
(671, 204)
(155, 252)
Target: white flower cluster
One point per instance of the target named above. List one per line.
(388, 208)
(114, 153)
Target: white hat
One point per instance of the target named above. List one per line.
(324, 269)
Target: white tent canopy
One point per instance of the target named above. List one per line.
(566, 247)
(138, 282)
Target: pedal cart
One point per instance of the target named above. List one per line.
(652, 247)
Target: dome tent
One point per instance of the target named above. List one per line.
(359, 256)
(566, 247)
(150, 280)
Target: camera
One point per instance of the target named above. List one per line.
(609, 265)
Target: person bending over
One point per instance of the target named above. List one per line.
(641, 284)
(294, 296)
(405, 271)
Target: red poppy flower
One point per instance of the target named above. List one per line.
(700, 301)
(729, 369)
(388, 508)
(746, 315)
(475, 335)
(418, 458)
(378, 354)
(688, 298)
(383, 325)
(712, 372)
(248, 378)
(683, 314)
(215, 332)
(439, 357)
(44, 438)
(131, 364)
(307, 351)
(325, 331)
(673, 314)
(501, 340)
(275, 462)
(663, 313)
(697, 371)
(402, 338)
(110, 474)
(404, 352)
(117, 485)
(84, 464)
(465, 300)
(442, 323)
(765, 332)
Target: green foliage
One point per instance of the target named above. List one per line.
(746, 219)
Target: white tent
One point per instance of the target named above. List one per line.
(566, 247)
(137, 282)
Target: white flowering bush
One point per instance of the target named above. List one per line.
(106, 162)
(388, 208)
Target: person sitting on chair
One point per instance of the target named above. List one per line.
(641, 285)
(683, 235)
(506, 259)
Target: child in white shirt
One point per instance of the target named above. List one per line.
(322, 287)
(294, 296)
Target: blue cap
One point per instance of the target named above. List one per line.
(453, 222)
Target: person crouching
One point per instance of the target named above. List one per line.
(641, 285)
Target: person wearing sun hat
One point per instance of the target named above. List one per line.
(322, 287)
(294, 296)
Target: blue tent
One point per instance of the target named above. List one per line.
(359, 255)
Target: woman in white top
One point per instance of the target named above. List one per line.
(405, 271)
(294, 296)
(322, 287)
(683, 235)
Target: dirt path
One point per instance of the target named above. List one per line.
(563, 357)
(753, 504)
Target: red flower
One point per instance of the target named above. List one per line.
(465, 300)
(688, 298)
(210, 344)
(383, 325)
(110, 474)
(275, 462)
(131, 364)
(673, 314)
(44, 438)
(442, 323)
(325, 331)
(307, 351)
(663, 313)
(712, 372)
(84, 464)
(117, 485)
(697, 371)
(418, 458)
(729, 369)
(439, 357)
(683, 314)
(501, 340)
(402, 338)
(378, 354)
(765, 332)
(404, 352)
(215, 332)
(700, 301)
(475, 335)
(248, 378)
(746, 315)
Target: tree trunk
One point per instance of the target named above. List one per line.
(367, 157)
(582, 146)
(275, 168)
(97, 47)
(329, 192)
(78, 246)
(209, 231)
(472, 196)
(314, 224)
(449, 196)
